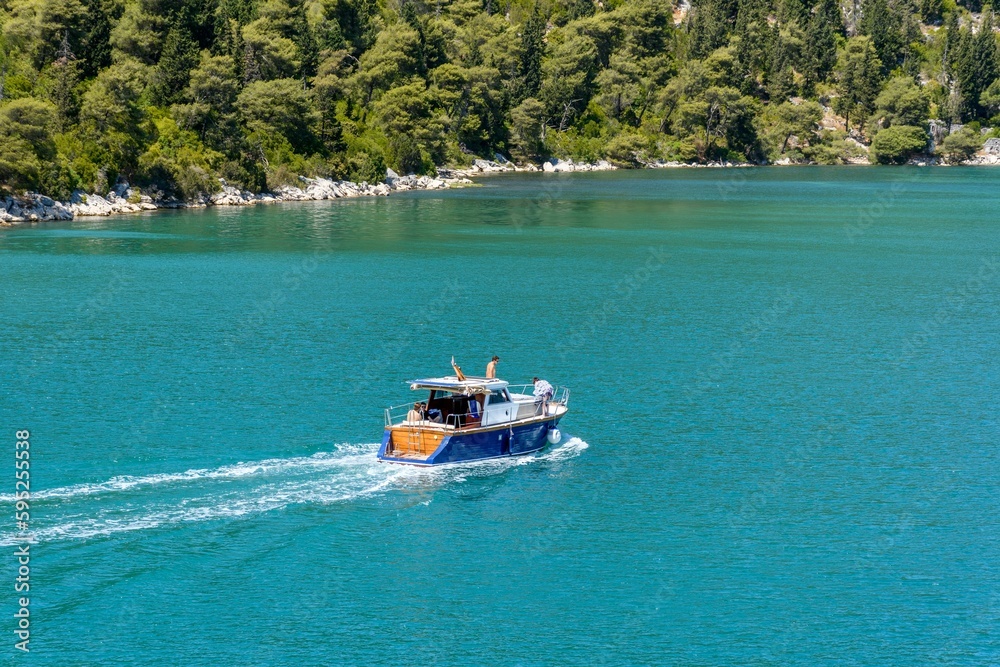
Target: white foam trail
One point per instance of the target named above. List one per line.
(317, 461)
(349, 473)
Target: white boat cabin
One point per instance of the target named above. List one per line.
(470, 403)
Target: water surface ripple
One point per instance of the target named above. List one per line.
(781, 449)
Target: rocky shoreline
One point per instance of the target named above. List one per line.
(122, 199)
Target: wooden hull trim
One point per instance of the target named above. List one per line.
(425, 446)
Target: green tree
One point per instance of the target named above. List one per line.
(825, 25)
(897, 144)
(784, 121)
(577, 9)
(620, 84)
(179, 162)
(139, 33)
(178, 57)
(280, 107)
(270, 48)
(37, 27)
(708, 25)
(209, 100)
(532, 49)
(394, 58)
(901, 102)
(113, 118)
(990, 98)
(473, 100)
(976, 64)
(330, 87)
(885, 25)
(753, 44)
(94, 52)
(858, 80)
(528, 127)
(931, 11)
(61, 83)
(357, 21)
(960, 146)
(26, 143)
(410, 112)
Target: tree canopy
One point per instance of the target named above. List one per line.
(181, 94)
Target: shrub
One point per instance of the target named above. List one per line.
(628, 150)
(897, 144)
(179, 162)
(960, 145)
(365, 167)
(26, 145)
(406, 157)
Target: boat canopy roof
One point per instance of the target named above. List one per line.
(469, 386)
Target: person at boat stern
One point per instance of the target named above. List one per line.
(543, 393)
(491, 368)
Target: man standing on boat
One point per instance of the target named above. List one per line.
(543, 393)
(491, 368)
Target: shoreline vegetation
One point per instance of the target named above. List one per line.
(123, 199)
(110, 106)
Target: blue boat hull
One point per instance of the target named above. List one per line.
(481, 444)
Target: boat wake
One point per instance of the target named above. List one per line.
(130, 503)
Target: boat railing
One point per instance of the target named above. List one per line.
(559, 396)
(396, 414)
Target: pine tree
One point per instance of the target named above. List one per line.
(532, 49)
(178, 58)
(858, 79)
(754, 46)
(305, 40)
(974, 64)
(780, 80)
(578, 9)
(95, 48)
(884, 24)
(707, 27)
(64, 94)
(825, 24)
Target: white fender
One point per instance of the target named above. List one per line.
(553, 436)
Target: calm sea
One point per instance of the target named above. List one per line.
(782, 444)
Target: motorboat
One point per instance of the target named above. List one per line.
(470, 419)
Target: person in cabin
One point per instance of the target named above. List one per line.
(491, 368)
(433, 415)
(543, 393)
(414, 414)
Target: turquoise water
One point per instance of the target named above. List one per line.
(781, 447)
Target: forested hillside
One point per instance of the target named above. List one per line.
(178, 93)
